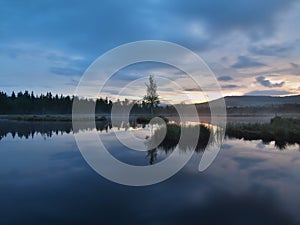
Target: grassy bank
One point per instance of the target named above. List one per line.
(283, 131)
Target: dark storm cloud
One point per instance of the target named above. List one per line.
(266, 83)
(246, 62)
(225, 78)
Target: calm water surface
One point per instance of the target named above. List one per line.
(45, 180)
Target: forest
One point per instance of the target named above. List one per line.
(28, 103)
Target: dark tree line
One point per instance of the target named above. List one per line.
(29, 103)
(25, 129)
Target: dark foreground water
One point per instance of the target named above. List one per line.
(45, 180)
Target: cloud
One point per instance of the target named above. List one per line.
(66, 65)
(95, 27)
(294, 65)
(100, 25)
(192, 89)
(66, 71)
(233, 14)
(271, 50)
(269, 92)
(225, 78)
(30, 30)
(72, 82)
(230, 86)
(85, 27)
(226, 146)
(288, 68)
(247, 162)
(246, 62)
(267, 83)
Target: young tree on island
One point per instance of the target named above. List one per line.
(151, 98)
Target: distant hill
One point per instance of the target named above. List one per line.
(255, 101)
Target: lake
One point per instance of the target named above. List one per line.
(45, 180)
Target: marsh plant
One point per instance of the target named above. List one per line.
(171, 132)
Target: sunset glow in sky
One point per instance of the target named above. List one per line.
(252, 46)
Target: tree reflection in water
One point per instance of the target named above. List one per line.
(172, 134)
(281, 137)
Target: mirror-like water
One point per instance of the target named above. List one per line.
(45, 180)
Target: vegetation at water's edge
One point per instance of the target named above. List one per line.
(173, 133)
(283, 131)
(172, 139)
(147, 119)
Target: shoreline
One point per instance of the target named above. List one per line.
(103, 117)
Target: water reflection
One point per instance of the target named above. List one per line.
(48, 182)
(245, 185)
(283, 131)
(172, 138)
(25, 129)
(166, 146)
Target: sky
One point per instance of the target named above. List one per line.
(252, 46)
